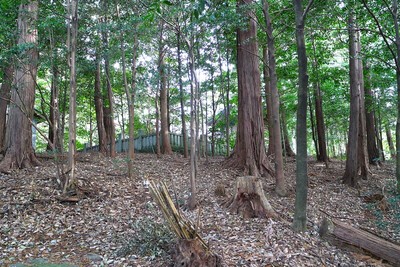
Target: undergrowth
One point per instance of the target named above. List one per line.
(152, 239)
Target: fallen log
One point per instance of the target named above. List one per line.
(340, 234)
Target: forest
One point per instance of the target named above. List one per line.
(199, 133)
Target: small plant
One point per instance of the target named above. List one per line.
(152, 239)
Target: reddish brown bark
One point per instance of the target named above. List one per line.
(98, 103)
(322, 154)
(287, 148)
(280, 186)
(249, 152)
(372, 145)
(350, 176)
(268, 101)
(19, 150)
(165, 142)
(4, 100)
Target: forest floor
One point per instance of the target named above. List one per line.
(116, 223)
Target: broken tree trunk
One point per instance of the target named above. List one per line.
(249, 199)
(341, 233)
(191, 250)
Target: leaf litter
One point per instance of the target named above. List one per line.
(116, 222)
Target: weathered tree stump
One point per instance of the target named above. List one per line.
(191, 253)
(342, 234)
(249, 199)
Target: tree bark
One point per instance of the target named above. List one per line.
(268, 101)
(280, 186)
(396, 26)
(249, 199)
(192, 202)
(227, 107)
(19, 151)
(110, 126)
(390, 141)
(5, 91)
(165, 142)
(372, 146)
(98, 104)
(350, 176)
(341, 233)
(287, 146)
(319, 114)
(362, 138)
(181, 97)
(73, 16)
(300, 215)
(130, 96)
(249, 152)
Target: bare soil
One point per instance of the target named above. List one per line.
(114, 221)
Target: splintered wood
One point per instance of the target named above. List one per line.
(191, 250)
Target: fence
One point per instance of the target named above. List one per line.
(148, 144)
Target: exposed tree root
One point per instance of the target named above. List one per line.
(249, 199)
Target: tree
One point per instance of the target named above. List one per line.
(98, 104)
(350, 176)
(19, 152)
(73, 32)
(322, 154)
(249, 152)
(4, 100)
(280, 186)
(372, 145)
(181, 100)
(108, 111)
(300, 215)
(165, 142)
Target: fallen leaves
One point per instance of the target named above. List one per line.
(36, 222)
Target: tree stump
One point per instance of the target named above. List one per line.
(249, 199)
(191, 253)
(342, 234)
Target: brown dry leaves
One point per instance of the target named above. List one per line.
(34, 224)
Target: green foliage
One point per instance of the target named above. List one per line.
(152, 239)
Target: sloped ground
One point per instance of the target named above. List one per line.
(118, 224)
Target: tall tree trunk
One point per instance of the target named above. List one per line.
(4, 100)
(98, 104)
(54, 113)
(350, 176)
(227, 107)
(181, 97)
(313, 130)
(372, 146)
(130, 96)
(165, 141)
(319, 114)
(280, 186)
(214, 111)
(268, 101)
(362, 134)
(249, 152)
(19, 151)
(110, 125)
(390, 141)
(158, 147)
(192, 203)
(300, 214)
(73, 16)
(396, 26)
